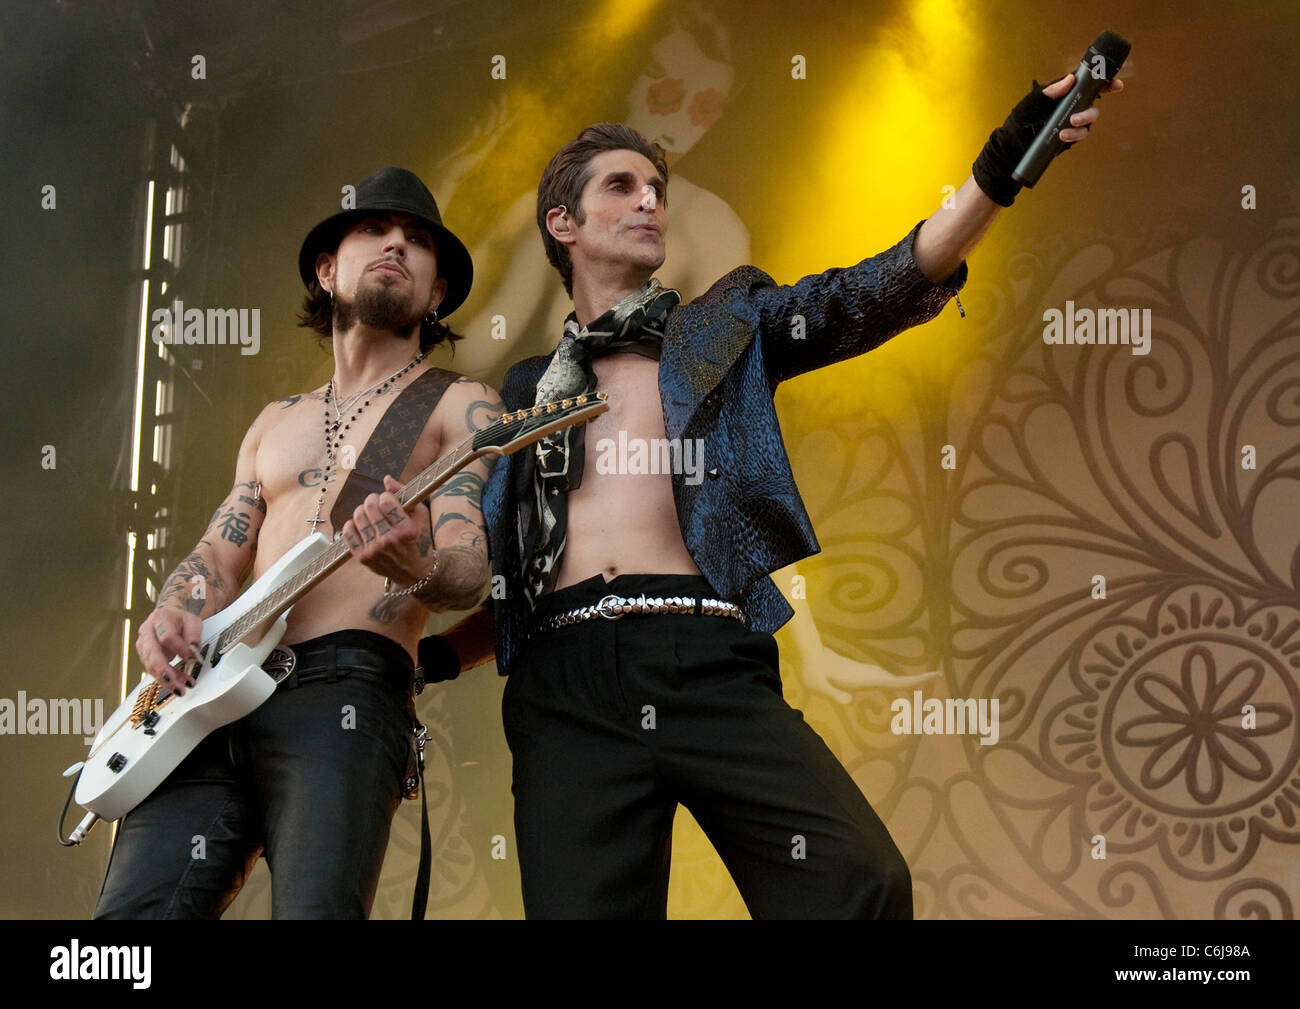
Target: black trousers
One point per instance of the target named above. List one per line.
(612, 723)
(312, 778)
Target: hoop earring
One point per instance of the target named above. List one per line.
(434, 320)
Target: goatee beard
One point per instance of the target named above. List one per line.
(378, 306)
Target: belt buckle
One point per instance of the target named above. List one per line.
(608, 603)
(280, 662)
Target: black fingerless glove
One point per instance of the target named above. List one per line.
(1007, 145)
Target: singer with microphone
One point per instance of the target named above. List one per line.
(1044, 123)
(634, 596)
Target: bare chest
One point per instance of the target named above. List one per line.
(632, 384)
(304, 448)
(301, 477)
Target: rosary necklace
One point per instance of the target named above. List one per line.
(334, 433)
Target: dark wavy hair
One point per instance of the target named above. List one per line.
(318, 314)
(570, 171)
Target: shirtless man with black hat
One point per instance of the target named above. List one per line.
(313, 777)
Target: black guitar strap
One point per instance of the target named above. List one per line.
(387, 452)
(390, 447)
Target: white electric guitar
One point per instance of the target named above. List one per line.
(238, 665)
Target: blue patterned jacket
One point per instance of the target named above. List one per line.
(722, 358)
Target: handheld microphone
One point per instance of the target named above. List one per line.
(1098, 68)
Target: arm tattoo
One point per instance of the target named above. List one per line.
(482, 412)
(462, 573)
(472, 538)
(180, 586)
(235, 527)
(385, 610)
(466, 485)
(446, 517)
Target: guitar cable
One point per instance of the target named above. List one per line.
(83, 828)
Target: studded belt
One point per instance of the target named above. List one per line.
(613, 607)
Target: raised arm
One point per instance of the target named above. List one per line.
(829, 317)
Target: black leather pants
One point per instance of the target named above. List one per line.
(612, 723)
(312, 778)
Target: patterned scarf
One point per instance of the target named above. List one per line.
(554, 467)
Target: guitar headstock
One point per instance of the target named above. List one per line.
(518, 428)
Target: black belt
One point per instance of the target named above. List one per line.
(335, 656)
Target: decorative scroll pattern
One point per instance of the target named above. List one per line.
(1127, 717)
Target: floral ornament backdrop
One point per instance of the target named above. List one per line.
(1147, 760)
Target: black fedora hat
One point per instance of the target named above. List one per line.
(395, 190)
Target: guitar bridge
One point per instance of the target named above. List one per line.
(144, 706)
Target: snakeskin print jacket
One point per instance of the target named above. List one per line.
(722, 358)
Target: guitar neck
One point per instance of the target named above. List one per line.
(336, 555)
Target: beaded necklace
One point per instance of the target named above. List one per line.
(334, 432)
